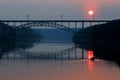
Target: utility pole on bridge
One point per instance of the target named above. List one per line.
(61, 19)
(28, 18)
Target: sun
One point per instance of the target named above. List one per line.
(90, 12)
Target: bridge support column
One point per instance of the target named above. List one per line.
(14, 24)
(55, 56)
(14, 55)
(61, 23)
(7, 55)
(76, 26)
(69, 24)
(91, 24)
(75, 53)
(62, 56)
(99, 23)
(7, 23)
(82, 53)
(68, 54)
(83, 24)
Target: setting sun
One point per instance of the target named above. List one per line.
(90, 12)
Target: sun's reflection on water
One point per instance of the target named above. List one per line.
(90, 65)
(90, 54)
(90, 61)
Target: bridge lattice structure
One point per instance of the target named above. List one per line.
(59, 24)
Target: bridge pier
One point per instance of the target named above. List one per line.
(91, 24)
(68, 54)
(99, 23)
(14, 24)
(75, 53)
(14, 56)
(69, 24)
(83, 24)
(61, 56)
(7, 56)
(82, 53)
(76, 26)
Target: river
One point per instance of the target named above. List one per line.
(25, 61)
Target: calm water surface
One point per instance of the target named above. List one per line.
(31, 69)
(54, 69)
(58, 70)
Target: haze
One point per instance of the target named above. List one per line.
(52, 9)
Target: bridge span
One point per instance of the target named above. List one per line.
(56, 21)
(66, 25)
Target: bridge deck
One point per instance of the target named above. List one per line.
(55, 20)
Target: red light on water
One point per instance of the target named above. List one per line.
(90, 65)
(90, 54)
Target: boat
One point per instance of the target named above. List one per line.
(92, 59)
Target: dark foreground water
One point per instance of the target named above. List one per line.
(53, 61)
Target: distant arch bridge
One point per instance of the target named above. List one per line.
(49, 24)
(66, 25)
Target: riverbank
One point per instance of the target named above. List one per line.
(103, 38)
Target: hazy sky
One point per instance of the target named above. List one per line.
(52, 9)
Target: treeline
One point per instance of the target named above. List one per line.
(10, 36)
(8, 32)
(99, 34)
(104, 39)
(27, 35)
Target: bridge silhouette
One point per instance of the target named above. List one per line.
(65, 25)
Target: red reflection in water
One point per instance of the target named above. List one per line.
(90, 65)
(90, 54)
(90, 62)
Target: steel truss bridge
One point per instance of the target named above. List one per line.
(66, 25)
